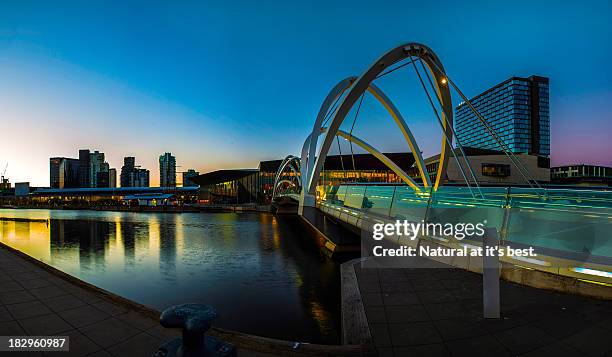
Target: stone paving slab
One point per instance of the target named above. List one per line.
(33, 301)
(438, 312)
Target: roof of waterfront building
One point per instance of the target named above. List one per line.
(362, 162)
(469, 151)
(220, 176)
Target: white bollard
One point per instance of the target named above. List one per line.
(490, 276)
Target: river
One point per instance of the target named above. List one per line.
(264, 274)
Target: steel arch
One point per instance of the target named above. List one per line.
(287, 162)
(358, 86)
(309, 147)
(382, 157)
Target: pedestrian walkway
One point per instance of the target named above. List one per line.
(36, 302)
(438, 312)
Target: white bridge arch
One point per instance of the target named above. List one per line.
(347, 92)
(294, 164)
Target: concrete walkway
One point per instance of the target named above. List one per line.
(36, 302)
(438, 312)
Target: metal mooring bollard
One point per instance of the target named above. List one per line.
(194, 320)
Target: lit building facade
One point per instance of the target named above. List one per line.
(589, 175)
(256, 186)
(517, 110)
(167, 170)
(490, 167)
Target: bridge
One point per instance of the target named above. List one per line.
(569, 228)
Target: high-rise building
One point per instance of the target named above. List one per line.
(132, 175)
(98, 168)
(187, 176)
(126, 178)
(167, 170)
(112, 178)
(518, 111)
(63, 172)
(141, 178)
(54, 171)
(84, 178)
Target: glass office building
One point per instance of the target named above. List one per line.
(517, 109)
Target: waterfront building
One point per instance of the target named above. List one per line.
(112, 178)
(587, 175)
(109, 196)
(491, 167)
(187, 176)
(84, 178)
(257, 185)
(63, 172)
(22, 189)
(167, 170)
(141, 178)
(54, 171)
(517, 109)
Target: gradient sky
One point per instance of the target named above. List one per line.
(227, 84)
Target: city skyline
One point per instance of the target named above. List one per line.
(84, 171)
(228, 98)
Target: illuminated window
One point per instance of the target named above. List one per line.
(496, 170)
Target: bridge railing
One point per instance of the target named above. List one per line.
(570, 228)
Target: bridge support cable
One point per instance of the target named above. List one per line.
(524, 172)
(356, 87)
(340, 153)
(353, 127)
(452, 130)
(516, 162)
(331, 110)
(394, 69)
(448, 140)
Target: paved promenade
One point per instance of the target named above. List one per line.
(35, 302)
(438, 312)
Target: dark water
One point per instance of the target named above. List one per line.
(263, 273)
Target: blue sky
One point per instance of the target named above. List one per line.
(227, 84)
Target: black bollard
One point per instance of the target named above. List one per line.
(194, 320)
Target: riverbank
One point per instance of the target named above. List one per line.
(39, 300)
(157, 209)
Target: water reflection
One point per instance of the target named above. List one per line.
(264, 273)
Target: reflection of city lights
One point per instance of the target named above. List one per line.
(320, 315)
